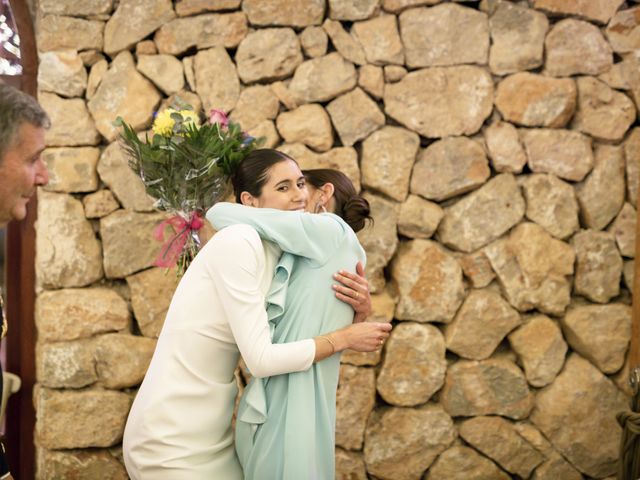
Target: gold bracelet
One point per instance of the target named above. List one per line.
(328, 339)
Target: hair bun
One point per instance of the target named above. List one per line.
(356, 211)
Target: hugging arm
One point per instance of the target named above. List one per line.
(235, 275)
(307, 235)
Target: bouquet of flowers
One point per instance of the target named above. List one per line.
(185, 166)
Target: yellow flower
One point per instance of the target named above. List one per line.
(164, 123)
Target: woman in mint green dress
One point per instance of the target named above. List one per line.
(285, 428)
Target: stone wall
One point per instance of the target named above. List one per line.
(499, 147)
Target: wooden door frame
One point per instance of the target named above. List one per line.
(20, 286)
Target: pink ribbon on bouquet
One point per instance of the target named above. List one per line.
(170, 251)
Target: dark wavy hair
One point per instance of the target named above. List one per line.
(253, 171)
(350, 206)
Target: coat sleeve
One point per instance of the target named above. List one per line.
(314, 236)
(236, 275)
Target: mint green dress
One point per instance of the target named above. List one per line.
(285, 428)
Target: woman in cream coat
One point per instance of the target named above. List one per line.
(180, 424)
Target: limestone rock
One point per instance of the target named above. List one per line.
(134, 20)
(601, 195)
(552, 204)
(99, 204)
(76, 8)
(623, 30)
(533, 100)
(122, 360)
(380, 240)
(380, 40)
(255, 104)
(123, 182)
(419, 218)
(477, 269)
(128, 242)
(91, 57)
(371, 80)
(419, 436)
(284, 95)
(517, 35)
(384, 306)
(600, 333)
(396, 6)
(482, 322)
(71, 124)
(57, 32)
(186, 8)
(532, 268)
(483, 215)
(624, 230)
(349, 465)
(146, 47)
(556, 467)
(602, 112)
(504, 148)
(66, 364)
(71, 169)
(464, 463)
(63, 73)
(339, 10)
(429, 282)
(164, 71)
(151, 293)
(355, 115)
(414, 365)
(498, 439)
(599, 11)
(202, 31)
(448, 168)
(79, 464)
(541, 349)
(344, 42)
(632, 157)
(308, 124)
(487, 387)
(576, 47)
(70, 314)
(68, 252)
(96, 74)
(266, 129)
(590, 442)
(294, 13)
(89, 418)
(314, 42)
(598, 265)
(394, 73)
(268, 54)
(322, 79)
(564, 153)
(388, 155)
(355, 399)
(123, 92)
(457, 35)
(627, 273)
(439, 102)
(344, 159)
(216, 79)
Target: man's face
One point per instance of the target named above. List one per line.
(21, 170)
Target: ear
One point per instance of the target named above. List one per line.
(247, 199)
(327, 193)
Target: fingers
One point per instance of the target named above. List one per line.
(354, 302)
(360, 269)
(351, 280)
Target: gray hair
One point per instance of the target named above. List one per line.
(17, 107)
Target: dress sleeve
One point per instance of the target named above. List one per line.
(236, 275)
(314, 236)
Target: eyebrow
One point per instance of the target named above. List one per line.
(287, 181)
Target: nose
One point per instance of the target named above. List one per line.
(42, 173)
(300, 194)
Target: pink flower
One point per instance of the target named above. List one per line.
(218, 116)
